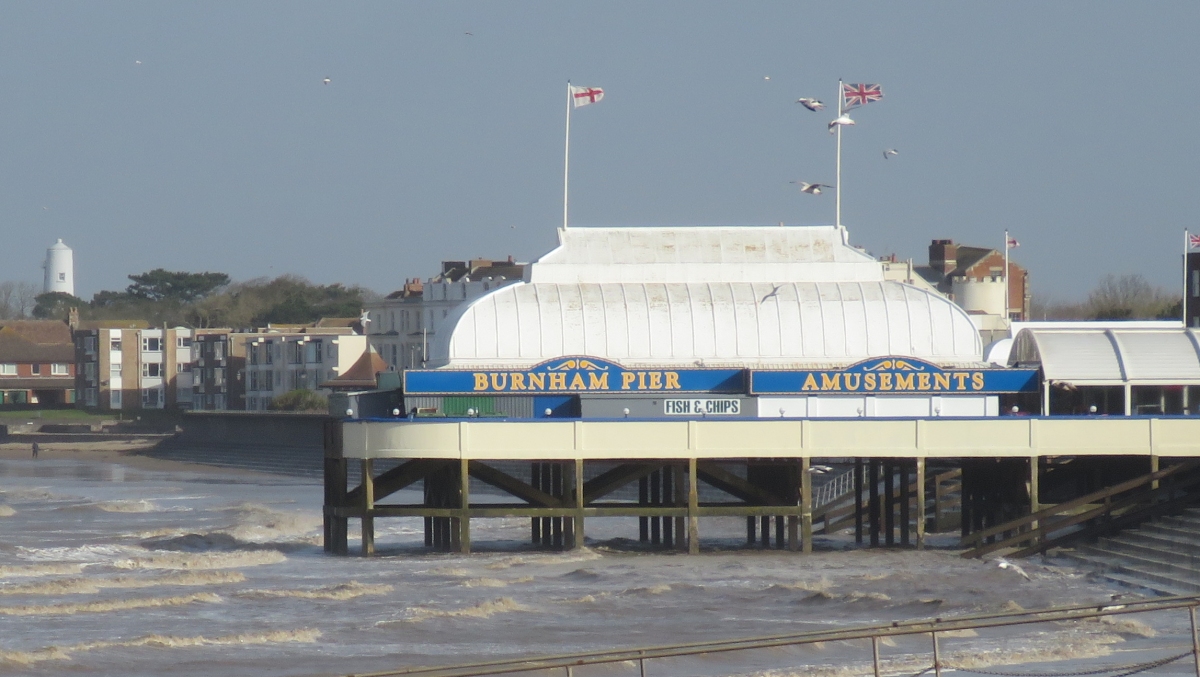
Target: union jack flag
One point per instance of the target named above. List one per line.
(854, 96)
(1193, 241)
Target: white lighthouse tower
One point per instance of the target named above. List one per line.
(60, 269)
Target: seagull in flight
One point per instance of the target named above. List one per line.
(1005, 564)
(774, 293)
(810, 188)
(364, 319)
(327, 81)
(890, 151)
(842, 121)
(811, 104)
(820, 469)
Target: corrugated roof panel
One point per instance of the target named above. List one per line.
(1153, 355)
(1078, 356)
(731, 323)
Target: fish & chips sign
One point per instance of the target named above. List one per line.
(894, 375)
(572, 375)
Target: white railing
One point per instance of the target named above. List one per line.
(833, 489)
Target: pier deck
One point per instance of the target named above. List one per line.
(670, 459)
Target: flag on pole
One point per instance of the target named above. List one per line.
(1012, 243)
(582, 96)
(1193, 241)
(854, 96)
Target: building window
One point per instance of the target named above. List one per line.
(89, 344)
(59, 370)
(35, 369)
(8, 370)
(114, 399)
(251, 403)
(297, 353)
(218, 377)
(218, 401)
(253, 384)
(89, 371)
(252, 354)
(114, 368)
(183, 341)
(152, 370)
(150, 398)
(219, 350)
(115, 344)
(269, 353)
(268, 381)
(89, 397)
(152, 345)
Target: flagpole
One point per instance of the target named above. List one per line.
(837, 189)
(567, 156)
(1186, 243)
(1006, 300)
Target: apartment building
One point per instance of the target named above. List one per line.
(278, 361)
(401, 326)
(131, 367)
(218, 366)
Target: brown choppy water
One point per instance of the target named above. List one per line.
(123, 573)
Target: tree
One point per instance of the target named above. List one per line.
(56, 304)
(1127, 297)
(300, 400)
(164, 285)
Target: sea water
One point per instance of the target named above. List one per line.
(107, 569)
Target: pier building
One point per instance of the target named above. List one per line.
(671, 374)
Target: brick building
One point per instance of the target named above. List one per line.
(37, 362)
(133, 367)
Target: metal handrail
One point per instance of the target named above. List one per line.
(873, 632)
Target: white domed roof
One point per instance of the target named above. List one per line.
(742, 324)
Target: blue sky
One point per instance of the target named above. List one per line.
(1072, 124)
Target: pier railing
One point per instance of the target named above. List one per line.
(643, 657)
(1108, 510)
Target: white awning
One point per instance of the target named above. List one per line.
(1111, 356)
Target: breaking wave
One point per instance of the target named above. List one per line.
(341, 591)
(47, 569)
(106, 605)
(500, 605)
(202, 560)
(580, 555)
(91, 586)
(7, 511)
(260, 524)
(162, 642)
(493, 582)
(130, 506)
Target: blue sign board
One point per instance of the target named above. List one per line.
(575, 374)
(894, 375)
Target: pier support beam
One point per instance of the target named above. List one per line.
(336, 526)
(464, 519)
(577, 530)
(806, 507)
(920, 504)
(693, 516)
(368, 507)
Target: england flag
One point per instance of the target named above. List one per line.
(582, 96)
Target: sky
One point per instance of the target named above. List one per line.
(201, 136)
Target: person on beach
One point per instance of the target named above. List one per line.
(35, 449)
